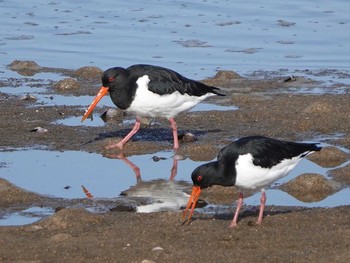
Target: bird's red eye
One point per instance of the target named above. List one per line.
(199, 178)
(111, 79)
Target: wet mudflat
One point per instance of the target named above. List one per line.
(80, 228)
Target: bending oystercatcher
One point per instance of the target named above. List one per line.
(151, 91)
(249, 163)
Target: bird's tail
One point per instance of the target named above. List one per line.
(311, 147)
(216, 90)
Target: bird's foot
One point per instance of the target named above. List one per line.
(258, 222)
(233, 225)
(118, 145)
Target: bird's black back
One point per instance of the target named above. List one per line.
(266, 152)
(166, 81)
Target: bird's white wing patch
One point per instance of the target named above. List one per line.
(148, 103)
(250, 176)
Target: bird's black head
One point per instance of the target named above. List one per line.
(110, 77)
(205, 175)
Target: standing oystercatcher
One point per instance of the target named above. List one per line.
(249, 163)
(151, 91)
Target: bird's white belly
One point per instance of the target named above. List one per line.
(147, 103)
(253, 177)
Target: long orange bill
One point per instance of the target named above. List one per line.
(191, 205)
(103, 91)
(87, 192)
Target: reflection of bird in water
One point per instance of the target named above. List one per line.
(163, 195)
(160, 195)
(137, 170)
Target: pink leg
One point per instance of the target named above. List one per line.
(174, 127)
(121, 144)
(239, 205)
(174, 169)
(134, 167)
(262, 207)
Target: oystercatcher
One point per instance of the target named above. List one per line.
(249, 163)
(151, 91)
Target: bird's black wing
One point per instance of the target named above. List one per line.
(268, 152)
(166, 81)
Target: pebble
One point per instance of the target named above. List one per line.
(39, 130)
(28, 97)
(290, 78)
(157, 159)
(189, 137)
(110, 114)
(157, 249)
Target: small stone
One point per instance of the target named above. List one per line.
(39, 130)
(289, 79)
(189, 137)
(126, 246)
(111, 114)
(157, 249)
(145, 121)
(28, 97)
(157, 159)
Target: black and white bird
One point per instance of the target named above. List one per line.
(250, 163)
(151, 91)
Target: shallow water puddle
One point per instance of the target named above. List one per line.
(317, 90)
(62, 174)
(73, 174)
(26, 216)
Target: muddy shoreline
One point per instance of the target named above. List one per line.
(271, 106)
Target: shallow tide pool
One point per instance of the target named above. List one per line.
(64, 174)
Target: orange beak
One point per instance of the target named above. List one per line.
(191, 205)
(103, 91)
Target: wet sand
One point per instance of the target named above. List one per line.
(266, 107)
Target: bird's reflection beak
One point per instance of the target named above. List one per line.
(103, 91)
(191, 205)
